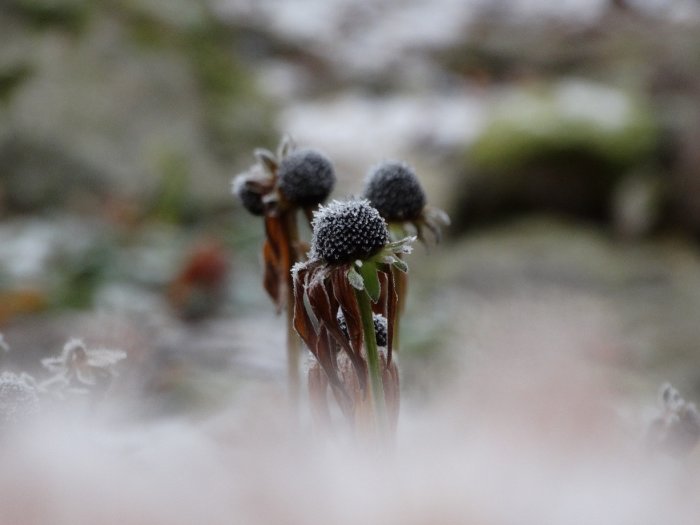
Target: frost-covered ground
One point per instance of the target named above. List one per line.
(550, 440)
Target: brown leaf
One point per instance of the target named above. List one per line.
(302, 323)
(271, 277)
(277, 258)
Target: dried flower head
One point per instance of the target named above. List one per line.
(247, 193)
(347, 231)
(380, 328)
(82, 368)
(305, 177)
(18, 397)
(393, 188)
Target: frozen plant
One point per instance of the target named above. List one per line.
(676, 428)
(80, 370)
(18, 398)
(394, 190)
(277, 187)
(347, 278)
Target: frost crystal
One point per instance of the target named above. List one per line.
(18, 397)
(306, 177)
(677, 427)
(346, 231)
(82, 367)
(392, 188)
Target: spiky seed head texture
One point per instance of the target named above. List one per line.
(393, 188)
(306, 177)
(347, 231)
(251, 200)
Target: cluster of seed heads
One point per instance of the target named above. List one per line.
(347, 231)
(306, 177)
(380, 328)
(393, 188)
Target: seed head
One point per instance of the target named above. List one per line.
(346, 231)
(379, 327)
(392, 188)
(251, 200)
(306, 177)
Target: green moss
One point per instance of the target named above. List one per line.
(71, 15)
(12, 78)
(532, 124)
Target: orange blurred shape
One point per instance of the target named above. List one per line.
(15, 303)
(199, 289)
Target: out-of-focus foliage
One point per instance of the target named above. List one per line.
(98, 98)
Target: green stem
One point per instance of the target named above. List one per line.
(376, 385)
(293, 353)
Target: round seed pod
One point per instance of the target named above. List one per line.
(251, 200)
(347, 231)
(306, 177)
(380, 330)
(392, 188)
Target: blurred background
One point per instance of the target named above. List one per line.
(563, 138)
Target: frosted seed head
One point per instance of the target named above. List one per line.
(251, 200)
(306, 177)
(347, 231)
(392, 188)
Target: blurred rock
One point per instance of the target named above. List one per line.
(561, 148)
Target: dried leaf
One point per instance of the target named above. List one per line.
(267, 160)
(355, 279)
(400, 265)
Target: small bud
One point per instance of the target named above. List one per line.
(379, 327)
(251, 200)
(347, 231)
(392, 188)
(306, 177)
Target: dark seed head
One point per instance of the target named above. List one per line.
(306, 177)
(380, 331)
(392, 188)
(251, 200)
(346, 231)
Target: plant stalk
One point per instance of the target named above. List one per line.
(376, 386)
(293, 353)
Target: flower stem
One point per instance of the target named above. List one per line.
(376, 386)
(293, 352)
